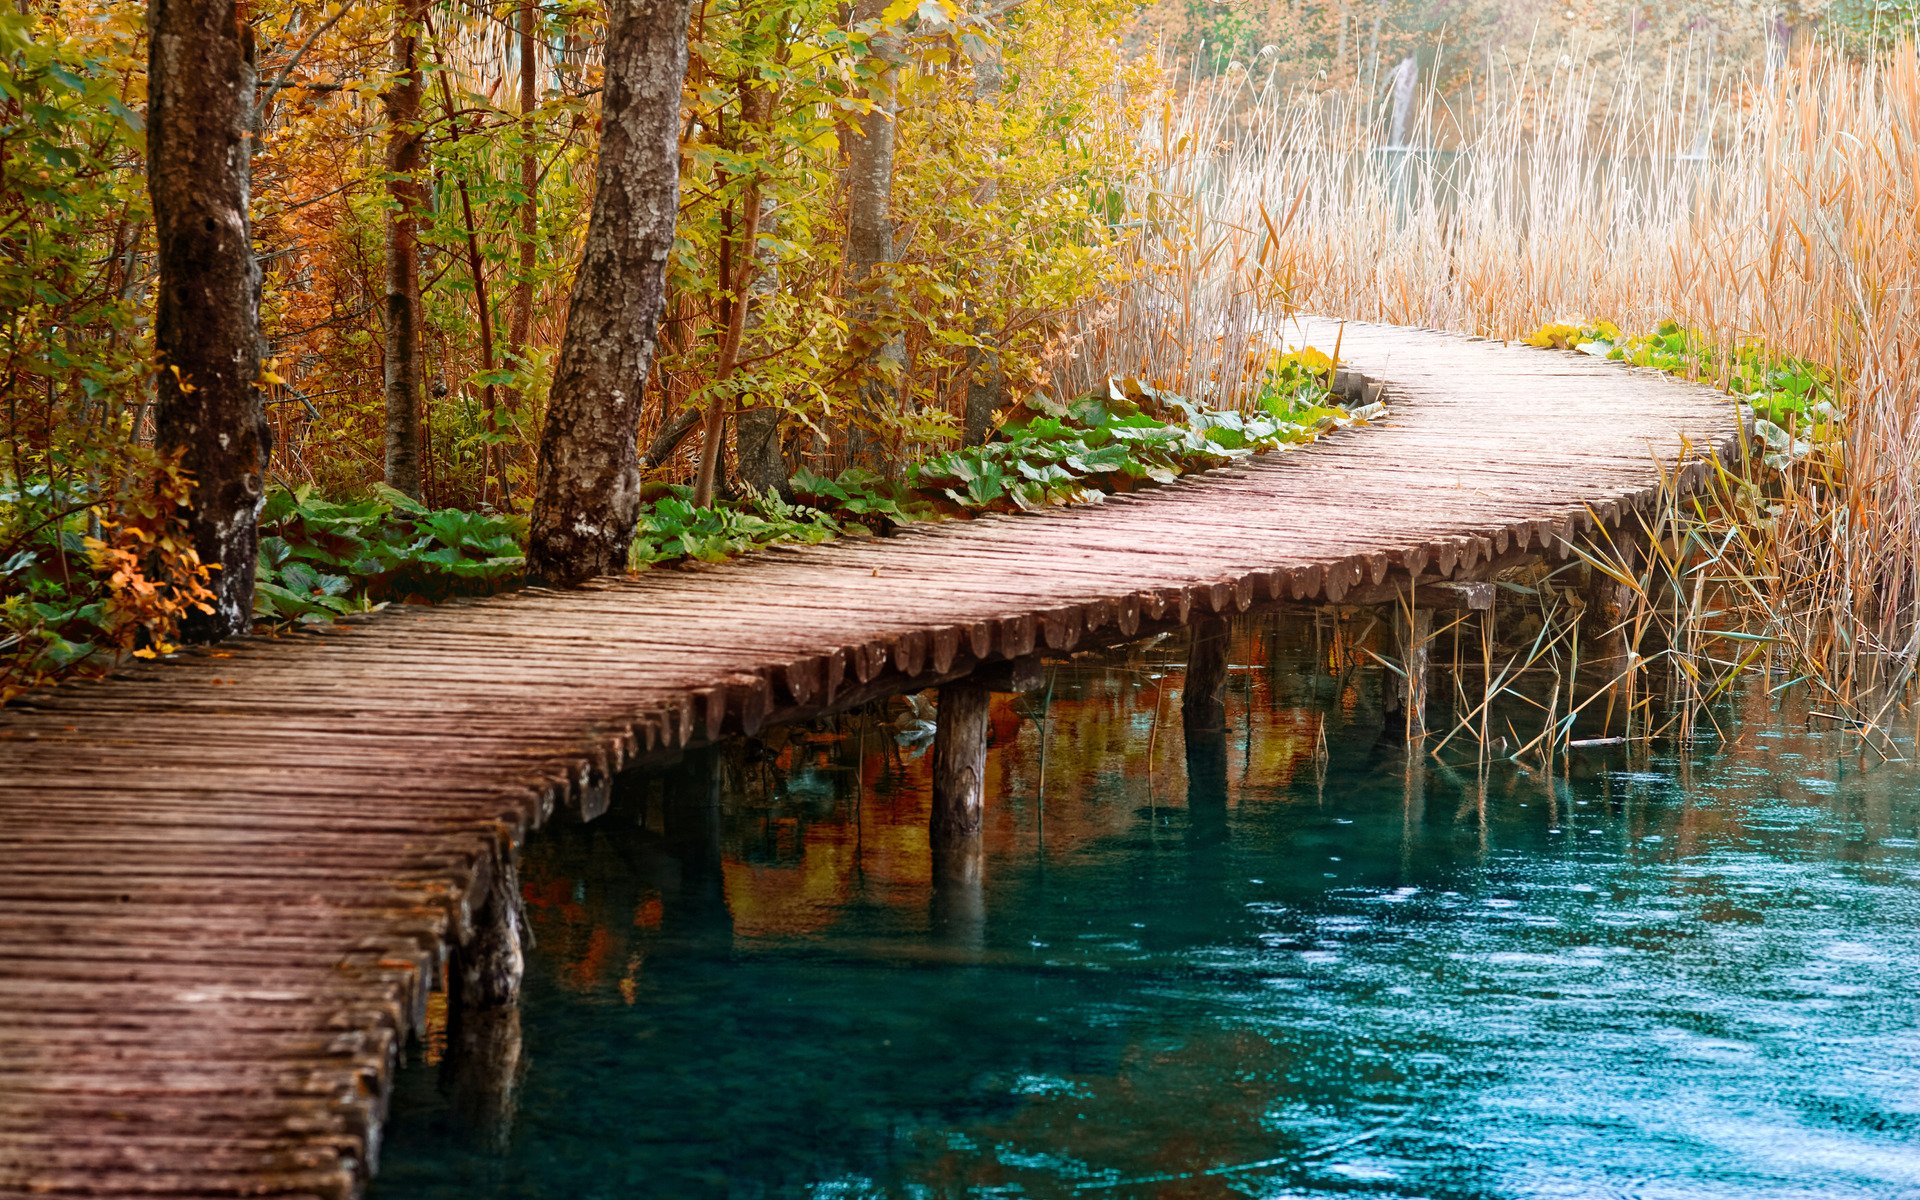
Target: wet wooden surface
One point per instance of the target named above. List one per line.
(227, 881)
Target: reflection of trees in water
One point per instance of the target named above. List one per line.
(780, 837)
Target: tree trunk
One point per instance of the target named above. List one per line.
(744, 290)
(406, 194)
(207, 304)
(520, 315)
(588, 493)
(757, 451)
(483, 307)
(986, 381)
(520, 327)
(745, 253)
(870, 232)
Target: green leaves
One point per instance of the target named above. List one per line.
(672, 528)
(1048, 453)
(320, 560)
(1792, 401)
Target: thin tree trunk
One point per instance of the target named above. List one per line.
(476, 269)
(588, 494)
(207, 304)
(520, 326)
(406, 194)
(870, 152)
(986, 381)
(520, 316)
(757, 450)
(488, 405)
(744, 258)
(714, 429)
(1406, 78)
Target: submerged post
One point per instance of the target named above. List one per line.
(959, 764)
(1611, 594)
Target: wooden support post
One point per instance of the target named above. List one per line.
(1604, 631)
(959, 764)
(1203, 700)
(486, 969)
(482, 1068)
(959, 801)
(1413, 639)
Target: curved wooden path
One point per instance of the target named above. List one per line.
(227, 881)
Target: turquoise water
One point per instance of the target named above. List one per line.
(1327, 972)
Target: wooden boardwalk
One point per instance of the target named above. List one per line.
(227, 881)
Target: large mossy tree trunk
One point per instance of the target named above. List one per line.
(588, 493)
(406, 198)
(207, 305)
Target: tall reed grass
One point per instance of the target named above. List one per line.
(1784, 212)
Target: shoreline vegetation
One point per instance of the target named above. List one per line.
(1755, 232)
(903, 228)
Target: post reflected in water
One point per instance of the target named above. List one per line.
(690, 813)
(1206, 785)
(482, 1070)
(483, 1065)
(1413, 800)
(958, 908)
(1203, 720)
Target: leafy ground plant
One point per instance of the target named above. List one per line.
(321, 559)
(1051, 453)
(87, 577)
(1045, 453)
(1791, 400)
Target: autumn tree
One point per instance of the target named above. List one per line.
(870, 228)
(986, 380)
(587, 496)
(526, 25)
(406, 197)
(207, 303)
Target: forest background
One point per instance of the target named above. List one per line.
(898, 222)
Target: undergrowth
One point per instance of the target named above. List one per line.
(1047, 453)
(87, 577)
(78, 595)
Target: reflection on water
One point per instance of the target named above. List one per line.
(1315, 972)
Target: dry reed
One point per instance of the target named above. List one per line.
(1783, 213)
